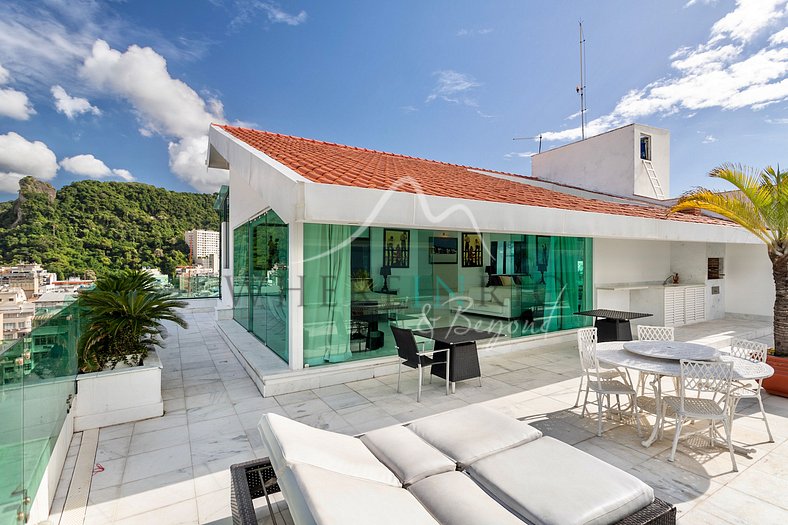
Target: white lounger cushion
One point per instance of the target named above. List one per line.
(454, 499)
(549, 482)
(337, 499)
(290, 442)
(406, 454)
(296, 504)
(470, 433)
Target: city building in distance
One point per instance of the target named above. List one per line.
(203, 249)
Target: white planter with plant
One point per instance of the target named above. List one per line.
(121, 395)
(120, 379)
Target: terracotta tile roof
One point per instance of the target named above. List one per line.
(329, 163)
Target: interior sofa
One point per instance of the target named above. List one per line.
(468, 466)
(495, 301)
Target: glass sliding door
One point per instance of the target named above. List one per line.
(356, 284)
(327, 293)
(241, 275)
(260, 286)
(275, 293)
(258, 277)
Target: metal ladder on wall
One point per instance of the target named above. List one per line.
(652, 176)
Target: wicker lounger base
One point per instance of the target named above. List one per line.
(249, 481)
(256, 479)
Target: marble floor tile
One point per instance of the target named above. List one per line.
(212, 409)
(255, 404)
(163, 438)
(112, 449)
(154, 492)
(110, 474)
(153, 462)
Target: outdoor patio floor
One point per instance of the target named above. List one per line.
(175, 469)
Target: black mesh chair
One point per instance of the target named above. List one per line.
(413, 355)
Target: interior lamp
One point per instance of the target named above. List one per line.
(385, 271)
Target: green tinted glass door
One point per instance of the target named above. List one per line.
(276, 291)
(258, 277)
(241, 275)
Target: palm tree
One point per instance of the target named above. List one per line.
(761, 207)
(123, 319)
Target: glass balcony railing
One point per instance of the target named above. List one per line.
(194, 287)
(37, 382)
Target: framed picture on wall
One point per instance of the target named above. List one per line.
(396, 248)
(472, 250)
(542, 252)
(443, 250)
(542, 255)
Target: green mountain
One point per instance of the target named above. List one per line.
(92, 227)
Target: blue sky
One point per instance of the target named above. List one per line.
(125, 90)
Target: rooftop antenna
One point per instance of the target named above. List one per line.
(581, 88)
(539, 136)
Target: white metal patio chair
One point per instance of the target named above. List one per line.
(652, 333)
(600, 382)
(755, 352)
(605, 372)
(704, 394)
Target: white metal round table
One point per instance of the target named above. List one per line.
(674, 350)
(614, 353)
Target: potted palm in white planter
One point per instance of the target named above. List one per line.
(123, 318)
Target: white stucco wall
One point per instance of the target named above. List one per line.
(609, 162)
(627, 261)
(749, 286)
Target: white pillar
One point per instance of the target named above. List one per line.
(295, 299)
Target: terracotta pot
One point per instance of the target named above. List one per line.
(778, 383)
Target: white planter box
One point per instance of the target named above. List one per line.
(111, 397)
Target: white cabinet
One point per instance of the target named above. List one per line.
(684, 305)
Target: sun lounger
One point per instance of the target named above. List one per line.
(463, 467)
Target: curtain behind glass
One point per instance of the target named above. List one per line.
(564, 283)
(326, 293)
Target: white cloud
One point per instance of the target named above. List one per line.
(123, 174)
(474, 32)
(20, 157)
(709, 139)
(780, 37)
(777, 120)
(187, 160)
(278, 16)
(164, 105)
(70, 106)
(13, 104)
(36, 43)
(454, 87)
(520, 155)
(748, 18)
(245, 11)
(44, 42)
(90, 166)
(695, 2)
(408, 109)
(721, 73)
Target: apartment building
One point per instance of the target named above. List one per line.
(204, 248)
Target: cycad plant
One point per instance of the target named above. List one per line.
(761, 207)
(123, 320)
